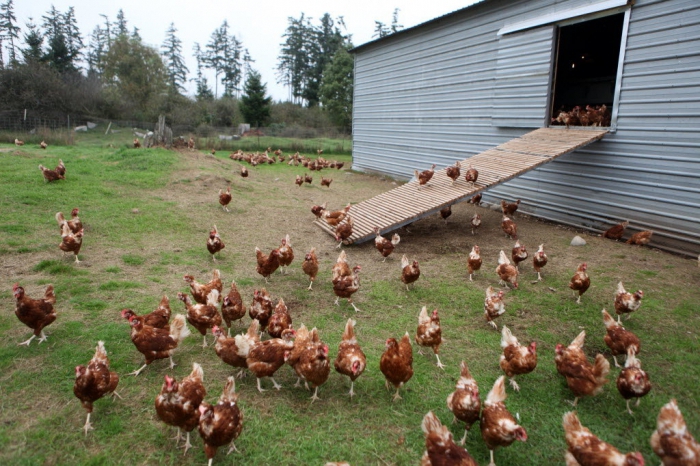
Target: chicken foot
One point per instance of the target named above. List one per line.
(26, 343)
(87, 426)
(138, 371)
(464, 439)
(514, 384)
(315, 397)
(351, 392)
(172, 363)
(616, 363)
(310, 285)
(188, 445)
(439, 364)
(232, 448)
(177, 437)
(396, 395)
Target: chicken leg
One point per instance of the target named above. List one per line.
(26, 343)
(396, 395)
(464, 439)
(351, 392)
(87, 426)
(310, 285)
(514, 384)
(315, 397)
(439, 364)
(492, 463)
(188, 445)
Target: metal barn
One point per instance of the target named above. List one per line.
(470, 80)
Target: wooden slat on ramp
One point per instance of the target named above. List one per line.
(408, 203)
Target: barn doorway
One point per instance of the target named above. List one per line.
(585, 72)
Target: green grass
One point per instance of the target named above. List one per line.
(132, 258)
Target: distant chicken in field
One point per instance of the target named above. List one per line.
(71, 242)
(584, 448)
(314, 366)
(633, 382)
(498, 426)
(326, 181)
(18, 142)
(615, 232)
(318, 210)
(346, 281)
(516, 359)
(618, 339)
(157, 343)
(493, 306)
(383, 245)
(509, 209)
(74, 223)
(190, 143)
(94, 381)
(232, 307)
(279, 321)
(60, 168)
(286, 254)
(261, 307)
(34, 313)
(200, 291)
(641, 238)
(671, 440)
(440, 448)
(475, 199)
(333, 218)
(299, 180)
(582, 377)
(50, 175)
(244, 172)
(518, 254)
(464, 402)
(214, 243)
(43, 145)
(471, 176)
(222, 423)
(202, 316)
(627, 303)
(310, 266)
(267, 264)
(509, 228)
(410, 272)
(453, 172)
(506, 272)
(234, 350)
(308, 178)
(137, 143)
(580, 282)
(225, 198)
(343, 231)
(539, 260)
(473, 261)
(160, 318)
(266, 357)
(445, 213)
(424, 176)
(396, 363)
(429, 333)
(351, 360)
(177, 404)
(476, 223)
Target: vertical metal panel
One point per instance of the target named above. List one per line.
(429, 96)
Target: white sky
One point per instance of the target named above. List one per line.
(258, 24)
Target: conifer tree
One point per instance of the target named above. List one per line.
(254, 105)
(174, 61)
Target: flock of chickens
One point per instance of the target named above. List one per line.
(181, 404)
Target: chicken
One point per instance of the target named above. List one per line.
(567, 118)
(222, 423)
(265, 357)
(244, 172)
(310, 266)
(445, 213)
(351, 360)
(475, 199)
(471, 176)
(308, 178)
(509, 228)
(409, 271)
(333, 218)
(498, 426)
(615, 232)
(518, 254)
(200, 291)
(671, 440)
(506, 272)
(157, 343)
(396, 363)
(318, 210)
(71, 242)
(299, 180)
(267, 264)
(516, 359)
(137, 143)
(627, 303)
(314, 366)
(18, 142)
(618, 339)
(493, 306)
(424, 176)
(234, 350)
(582, 377)
(190, 143)
(94, 381)
(225, 198)
(177, 404)
(580, 281)
(633, 382)
(279, 320)
(214, 244)
(475, 222)
(383, 245)
(453, 172)
(202, 316)
(429, 333)
(509, 209)
(60, 168)
(346, 285)
(35, 313)
(641, 238)
(440, 448)
(74, 224)
(261, 307)
(464, 402)
(232, 308)
(473, 261)
(160, 318)
(585, 449)
(326, 181)
(50, 175)
(539, 260)
(286, 254)
(343, 231)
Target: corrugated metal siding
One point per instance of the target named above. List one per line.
(430, 96)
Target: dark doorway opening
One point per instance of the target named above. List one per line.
(586, 71)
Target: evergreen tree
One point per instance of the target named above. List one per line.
(97, 48)
(107, 31)
(9, 30)
(294, 58)
(74, 42)
(120, 24)
(395, 26)
(254, 106)
(337, 87)
(174, 61)
(34, 40)
(203, 90)
(63, 40)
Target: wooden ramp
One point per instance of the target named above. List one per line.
(407, 203)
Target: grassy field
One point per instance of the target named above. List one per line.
(147, 214)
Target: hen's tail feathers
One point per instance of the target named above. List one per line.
(601, 369)
(498, 392)
(608, 320)
(254, 328)
(464, 370)
(49, 295)
(620, 289)
(670, 420)
(100, 352)
(507, 338)
(216, 275)
(431, 424)
(571, 422)
(179, 329)
(349, 332)
(60, 218)
(404, 261)
(197, 371)
(578, 341)
(503, 259)
(632, 360)
(423, 316)
(229, 394)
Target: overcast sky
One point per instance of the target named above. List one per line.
(258, 24)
